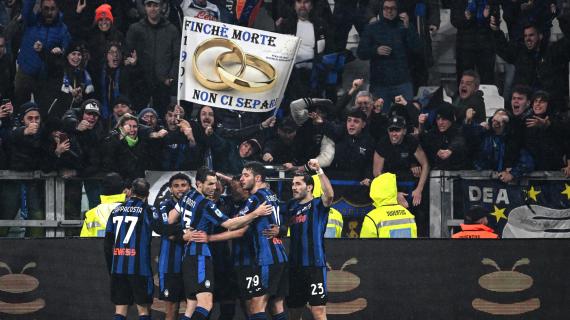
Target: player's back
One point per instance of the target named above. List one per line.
(131, 226)
(307, 222)
(267, 251)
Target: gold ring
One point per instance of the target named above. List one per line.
(211, 43)
(235, 82)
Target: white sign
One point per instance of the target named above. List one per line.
(233, 67)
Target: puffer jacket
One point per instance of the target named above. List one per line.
(51, 36)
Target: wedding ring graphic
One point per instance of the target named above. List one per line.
(240, 84)
(235, 51)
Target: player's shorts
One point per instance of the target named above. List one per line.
(198, 275)
(126, 289)
(225, 286)
(256, 281)
(308, 284)
(171, 287)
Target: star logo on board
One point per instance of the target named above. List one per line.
(566, 191)
(532, 193)
(499, 213)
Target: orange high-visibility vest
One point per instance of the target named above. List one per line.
(475, 231)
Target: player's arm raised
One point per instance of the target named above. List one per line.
(238, 222)
(328, 193)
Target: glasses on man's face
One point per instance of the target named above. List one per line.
(390, 8)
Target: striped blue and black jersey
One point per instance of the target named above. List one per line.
(307, 222)
(242, 248)
(130, 225)
(170, 257)
(201, 214)
(267, 251)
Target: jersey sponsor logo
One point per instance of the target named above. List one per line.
(299, 219)
(392, 213)
(243, 211)
(190, 202)
(271, 197)
(125, 252)
(277, 241)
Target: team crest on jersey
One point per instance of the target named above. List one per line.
(218, 213)
(154, 214)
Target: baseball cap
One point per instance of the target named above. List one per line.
(91, 106)
(397, 122)
(155, 1)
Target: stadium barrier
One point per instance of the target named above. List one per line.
(446, 200)
(367, 279)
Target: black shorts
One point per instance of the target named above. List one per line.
(256, 281)
(198, 275)
(225, 286)
(171, 287)
(308, 284)
(127, 289)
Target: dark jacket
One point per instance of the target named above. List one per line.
(177, 153)
(476, 102)
(393, 69)
(112, 83)
(28, 152)
(471, 34)
(129, 162)
(452, 139)
(158, 49)
(97, 43)
(51, 36)
(352, 156)
(7, 73)
(86, 152)
(5, 128)
(546, 144)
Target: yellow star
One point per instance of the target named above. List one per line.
(566, 191)
(499, 213)
(533, 193)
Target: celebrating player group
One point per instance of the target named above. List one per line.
(197, 262)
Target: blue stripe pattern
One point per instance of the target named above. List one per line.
(308, 222)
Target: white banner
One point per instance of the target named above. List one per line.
(233, 67)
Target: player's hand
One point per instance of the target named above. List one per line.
(198, 236)
(271, 232)
(263, 210)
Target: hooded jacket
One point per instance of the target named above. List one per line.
(389, 219)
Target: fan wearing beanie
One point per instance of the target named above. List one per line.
(101, 34)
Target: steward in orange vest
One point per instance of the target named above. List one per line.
(475, 226)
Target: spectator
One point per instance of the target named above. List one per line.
(520, 102)
(425, 19)
(310, 114)
(388, 44)
(444, 144)
(401, 154)
(44, 34)
(474, 47)
(201, 9)
(284, 147)
(475, 225)
(27, 153)
(157, 44)
(308, 26)
(178, 150)
(116, 77)
(354, 149)
(231, 156)
(7, 71)
(469, 97)
(389, 219)
(499, 150)
(69, 83)
(103, 33)
(6, 124)
(126, 151)
(347, 13)
(85, 133)
(544, 134)
(122, 106)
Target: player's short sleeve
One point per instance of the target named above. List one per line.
(213, 214)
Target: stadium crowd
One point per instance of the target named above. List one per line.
(87, 88)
